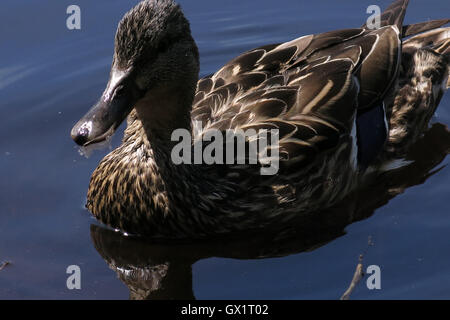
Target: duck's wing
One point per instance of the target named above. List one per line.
(311, 89)
(317, 90)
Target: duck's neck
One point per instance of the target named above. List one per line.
(164, 110)
(177, 193)
(158, 115)
(153, 121)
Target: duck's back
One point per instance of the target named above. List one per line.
(310, 89)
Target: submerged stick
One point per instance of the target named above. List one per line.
(358, 275)
(4, 264)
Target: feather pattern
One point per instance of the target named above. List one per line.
(312, 86)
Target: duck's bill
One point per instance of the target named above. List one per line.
(107, 114)
(99, 123)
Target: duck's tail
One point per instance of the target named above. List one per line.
(437, 40)
(422, 81)
(424, 35)
(413, 29)
(394, 14)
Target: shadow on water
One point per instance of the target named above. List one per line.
(153, 270)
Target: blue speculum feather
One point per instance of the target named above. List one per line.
(371, 134)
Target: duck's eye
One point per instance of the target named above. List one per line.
(119, 91)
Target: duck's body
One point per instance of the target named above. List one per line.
(345, 103)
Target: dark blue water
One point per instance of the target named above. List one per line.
(50, 76)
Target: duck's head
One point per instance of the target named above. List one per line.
(154, 49)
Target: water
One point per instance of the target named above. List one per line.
(50, 76)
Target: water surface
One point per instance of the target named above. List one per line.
(50, 76)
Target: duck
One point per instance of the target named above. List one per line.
(345, 105)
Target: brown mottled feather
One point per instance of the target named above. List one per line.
(323, 76)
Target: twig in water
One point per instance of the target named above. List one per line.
(359, 274)
(4, 264)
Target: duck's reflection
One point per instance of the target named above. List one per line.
(164, 271)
